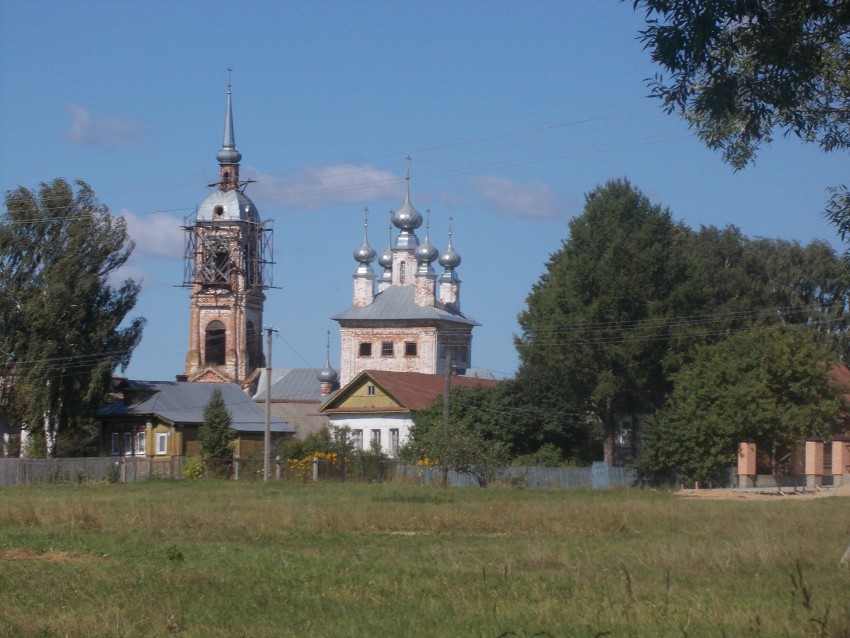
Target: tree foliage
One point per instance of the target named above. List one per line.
(62, 320)
(594, 335)
(630, 298)
(740, 69)
(216, 433)
(771, 385)
(469, 442)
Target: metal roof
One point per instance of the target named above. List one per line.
(184, 402)
(398, 302)
(291, 384)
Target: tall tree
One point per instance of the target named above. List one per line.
(771, 385)
(216, 433)
(740, 69)
(62, 320)
(595, 332)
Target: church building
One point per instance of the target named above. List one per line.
(413, 321)
(227, 269)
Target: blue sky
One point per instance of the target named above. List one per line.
(511, 112)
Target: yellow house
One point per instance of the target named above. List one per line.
(161, 419)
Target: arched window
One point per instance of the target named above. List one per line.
(402, 272)
(253, 346)
(215, 341)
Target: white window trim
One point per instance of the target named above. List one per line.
(162, 443)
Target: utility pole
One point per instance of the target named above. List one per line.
(267, 439)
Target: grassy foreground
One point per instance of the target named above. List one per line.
(240, 559)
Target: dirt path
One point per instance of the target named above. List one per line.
(753, 495)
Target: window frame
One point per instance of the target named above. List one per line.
(387, 349)
(411, 349)
(162, 443)
(364, 349)
(141, 439)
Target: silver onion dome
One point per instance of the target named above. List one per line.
(365, 254)
(450, 258)
(407, 217)
(328, 374)
(427, 253)
(386, 259)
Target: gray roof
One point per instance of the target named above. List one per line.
(184, 402)
(398, 302)
(291, 384)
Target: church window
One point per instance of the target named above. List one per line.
(215, 344)
(387, 349)
(253, 346)
(402, 272)
(365, 349)
(218, 211)
(409, 348)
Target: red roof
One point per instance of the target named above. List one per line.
(413, 390)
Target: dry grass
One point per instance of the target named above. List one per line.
(224, 559)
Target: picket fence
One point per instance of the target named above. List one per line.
(15, 471)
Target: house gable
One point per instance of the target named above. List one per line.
(363, 394)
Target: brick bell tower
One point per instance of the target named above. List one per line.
(227, 268)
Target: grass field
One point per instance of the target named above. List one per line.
(213, 558)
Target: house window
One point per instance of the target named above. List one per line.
(128, 442)
(357, 439)
(387, 349)
(365, 349)
(394, 441)
(409, 348)
(114, 446)
(376, 439)
(162, 442)
(370, 390)
(140, 442)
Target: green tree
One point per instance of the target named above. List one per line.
(596, 330)
(771, 385)
(740, 69)
(63, 321)
(215, 434)
(467, 442)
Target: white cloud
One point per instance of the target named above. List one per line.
(104, 131)
(157, 235)
(318, 187)
(536, 200)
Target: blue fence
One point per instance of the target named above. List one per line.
(599, 476)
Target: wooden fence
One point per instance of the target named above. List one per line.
(14, 471)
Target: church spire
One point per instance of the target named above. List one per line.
(228, 157)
